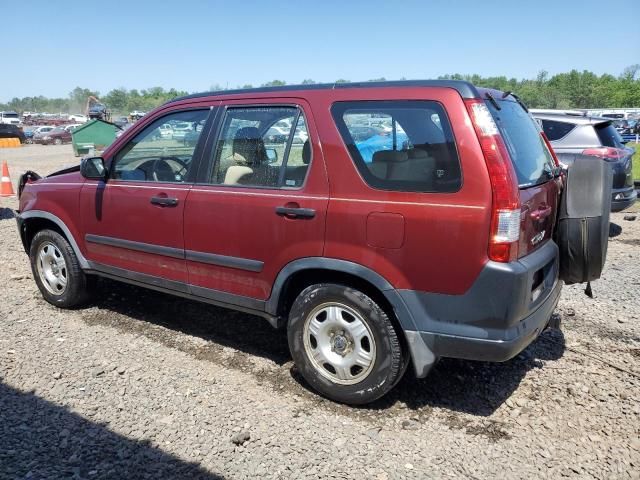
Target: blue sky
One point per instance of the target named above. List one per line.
(192, 45)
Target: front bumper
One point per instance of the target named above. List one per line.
(622, 198)
(506, 308)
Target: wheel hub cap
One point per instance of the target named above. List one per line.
(51, 268)
(339, 343)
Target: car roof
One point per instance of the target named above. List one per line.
(571, 118)
(465, 89)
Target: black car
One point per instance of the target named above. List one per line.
(11, 131)
(572, 135)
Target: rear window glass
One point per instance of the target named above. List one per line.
(400, 145)
(556, 130)
(608, 135)
(529, 154)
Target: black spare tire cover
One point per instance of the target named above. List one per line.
(583, 220)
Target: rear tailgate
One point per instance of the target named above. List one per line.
(534, 167)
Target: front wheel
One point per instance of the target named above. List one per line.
(58, 141)
(344, 344)
(57, 272)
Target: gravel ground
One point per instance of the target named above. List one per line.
(143, 385)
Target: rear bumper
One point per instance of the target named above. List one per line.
(504, 311)
(622, 198)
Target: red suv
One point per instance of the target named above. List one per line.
(393, 223)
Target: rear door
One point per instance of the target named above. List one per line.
(534, 167)
(259, 205)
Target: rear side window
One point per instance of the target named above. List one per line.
(608, 135)
(531, 159)
(556, 130)
(400, 145)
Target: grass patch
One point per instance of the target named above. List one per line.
(635, 160)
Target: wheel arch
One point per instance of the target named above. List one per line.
(33, 221)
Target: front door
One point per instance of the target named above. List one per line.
(261, 203)
(133, 221)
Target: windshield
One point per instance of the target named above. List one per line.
(10, 115)
(529, 154)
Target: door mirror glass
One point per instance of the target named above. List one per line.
(93, 168)
(272, 155)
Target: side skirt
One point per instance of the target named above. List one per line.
(200, 294)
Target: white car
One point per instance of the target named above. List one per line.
(69, 128)
(78, 117)
(180, 129)
(166, 131)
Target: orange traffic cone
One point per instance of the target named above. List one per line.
(6, 188)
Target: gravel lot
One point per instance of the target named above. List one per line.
(143, 385)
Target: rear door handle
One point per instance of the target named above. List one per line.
(164, 201)
(293, 212)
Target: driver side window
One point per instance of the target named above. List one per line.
(162, 151)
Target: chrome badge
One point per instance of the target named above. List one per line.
(538, 238)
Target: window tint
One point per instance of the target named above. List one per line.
(400, 145)
(556, 130)
(162, 151)
(263, 147)
(608, 135)
(529, 154)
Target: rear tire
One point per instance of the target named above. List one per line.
(344, 344)
(58, 141)
(57, 271)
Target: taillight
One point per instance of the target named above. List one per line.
(609, 154)
(505, 207)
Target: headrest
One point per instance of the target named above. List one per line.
(306, 152)
(390, 156)
(247, 133)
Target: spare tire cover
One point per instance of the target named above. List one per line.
(583, 221)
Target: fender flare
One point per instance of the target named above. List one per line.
(421, 354)
(84, 264)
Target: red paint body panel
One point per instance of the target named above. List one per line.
(446, 234)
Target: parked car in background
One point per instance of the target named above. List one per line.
(165, 131)
(71, 127)
(10, 117)
(56, 136)
(181, 129)
(121, 121)
(572, 135)
(30, 133)
(78, 117)
(12, 131)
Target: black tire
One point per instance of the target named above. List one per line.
(387, 365)
(78, 285)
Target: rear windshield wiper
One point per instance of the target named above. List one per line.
(506, 94)
(493, 101)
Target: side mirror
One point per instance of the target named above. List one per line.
(272, 155)
(93, 168)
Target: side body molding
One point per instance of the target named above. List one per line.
(51, 217)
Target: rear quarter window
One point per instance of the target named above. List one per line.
(400, 145)
(555, 130)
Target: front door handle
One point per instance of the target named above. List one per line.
(164, 201)
(295, 212)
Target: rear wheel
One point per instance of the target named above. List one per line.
(344, 344)
(58, 141)
(57, 272)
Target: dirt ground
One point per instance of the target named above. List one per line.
(143, 385)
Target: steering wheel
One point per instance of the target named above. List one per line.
(162, 171)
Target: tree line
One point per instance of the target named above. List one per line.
(573, 89)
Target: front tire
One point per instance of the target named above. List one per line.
(344, 344)
(58, 141)
(57, 271)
